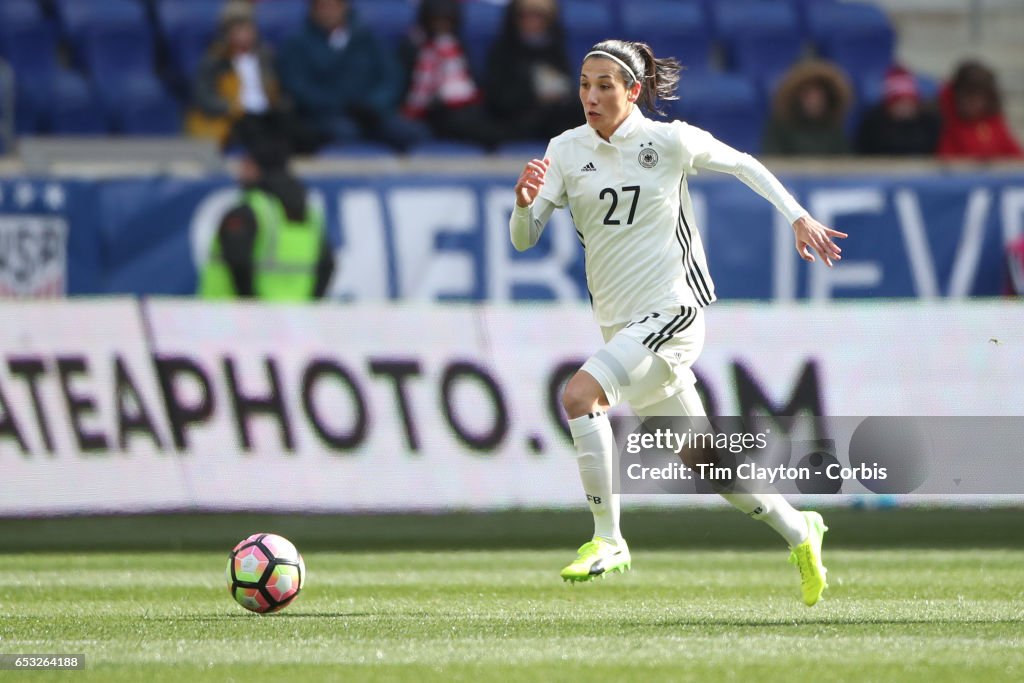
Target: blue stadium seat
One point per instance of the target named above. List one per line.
(20, 13)
(111, 38)
(856, 36)
(140, 105)
(727, 105)
(586, 22)
(73, 107)
(801, 7)
(389, 19)
(188, 27)
(761, 38)
(27, 41)
(280, 19)
(29, 117)
(481, 24)
(676, 28)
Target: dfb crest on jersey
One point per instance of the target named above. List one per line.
(648, 157)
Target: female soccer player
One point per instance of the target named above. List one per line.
(623, 177)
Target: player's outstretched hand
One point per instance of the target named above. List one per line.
(810, 234)
(531, 180)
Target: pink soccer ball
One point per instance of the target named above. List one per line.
(265, 573)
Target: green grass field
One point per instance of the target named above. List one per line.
(940, 610)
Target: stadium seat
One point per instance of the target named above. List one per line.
(856, 36)
(761, 38)
(28, 110)
(389, 19)
(481, 25)
(586, 22)
(140, 105)
(280, 19)
(187, 28)
(111, 39)
(73, 107)
(20, 13)
(801, 7)
(27, 41)
(727, 105)
(677, 28)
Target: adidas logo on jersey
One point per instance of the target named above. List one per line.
(588, 167)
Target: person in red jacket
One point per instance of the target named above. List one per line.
(973, 125)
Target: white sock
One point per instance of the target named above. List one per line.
(592, 435)
(775, 511)
(770, 508)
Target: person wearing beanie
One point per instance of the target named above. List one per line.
(900, 124)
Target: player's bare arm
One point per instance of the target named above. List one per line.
(531, 180)
(810, 234)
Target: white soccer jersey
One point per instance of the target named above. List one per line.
(629, 200)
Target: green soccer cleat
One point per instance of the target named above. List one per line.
(596, 558)
(807, 557)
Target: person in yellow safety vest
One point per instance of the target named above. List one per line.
(273, 246)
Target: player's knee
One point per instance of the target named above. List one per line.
(582, 395)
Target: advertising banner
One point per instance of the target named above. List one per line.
(419, 238)
(175, 404)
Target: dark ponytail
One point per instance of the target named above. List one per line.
(659, 77)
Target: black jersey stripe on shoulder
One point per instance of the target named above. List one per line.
(694, 276)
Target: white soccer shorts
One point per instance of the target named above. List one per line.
(647, 360)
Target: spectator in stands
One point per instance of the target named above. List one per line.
(236, 77)
(441, 88)
(344, 82)
(530, 87)
(808, 112)
(901, 124)
(973, 125)
(273, 246)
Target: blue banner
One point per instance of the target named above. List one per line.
(446, 238)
